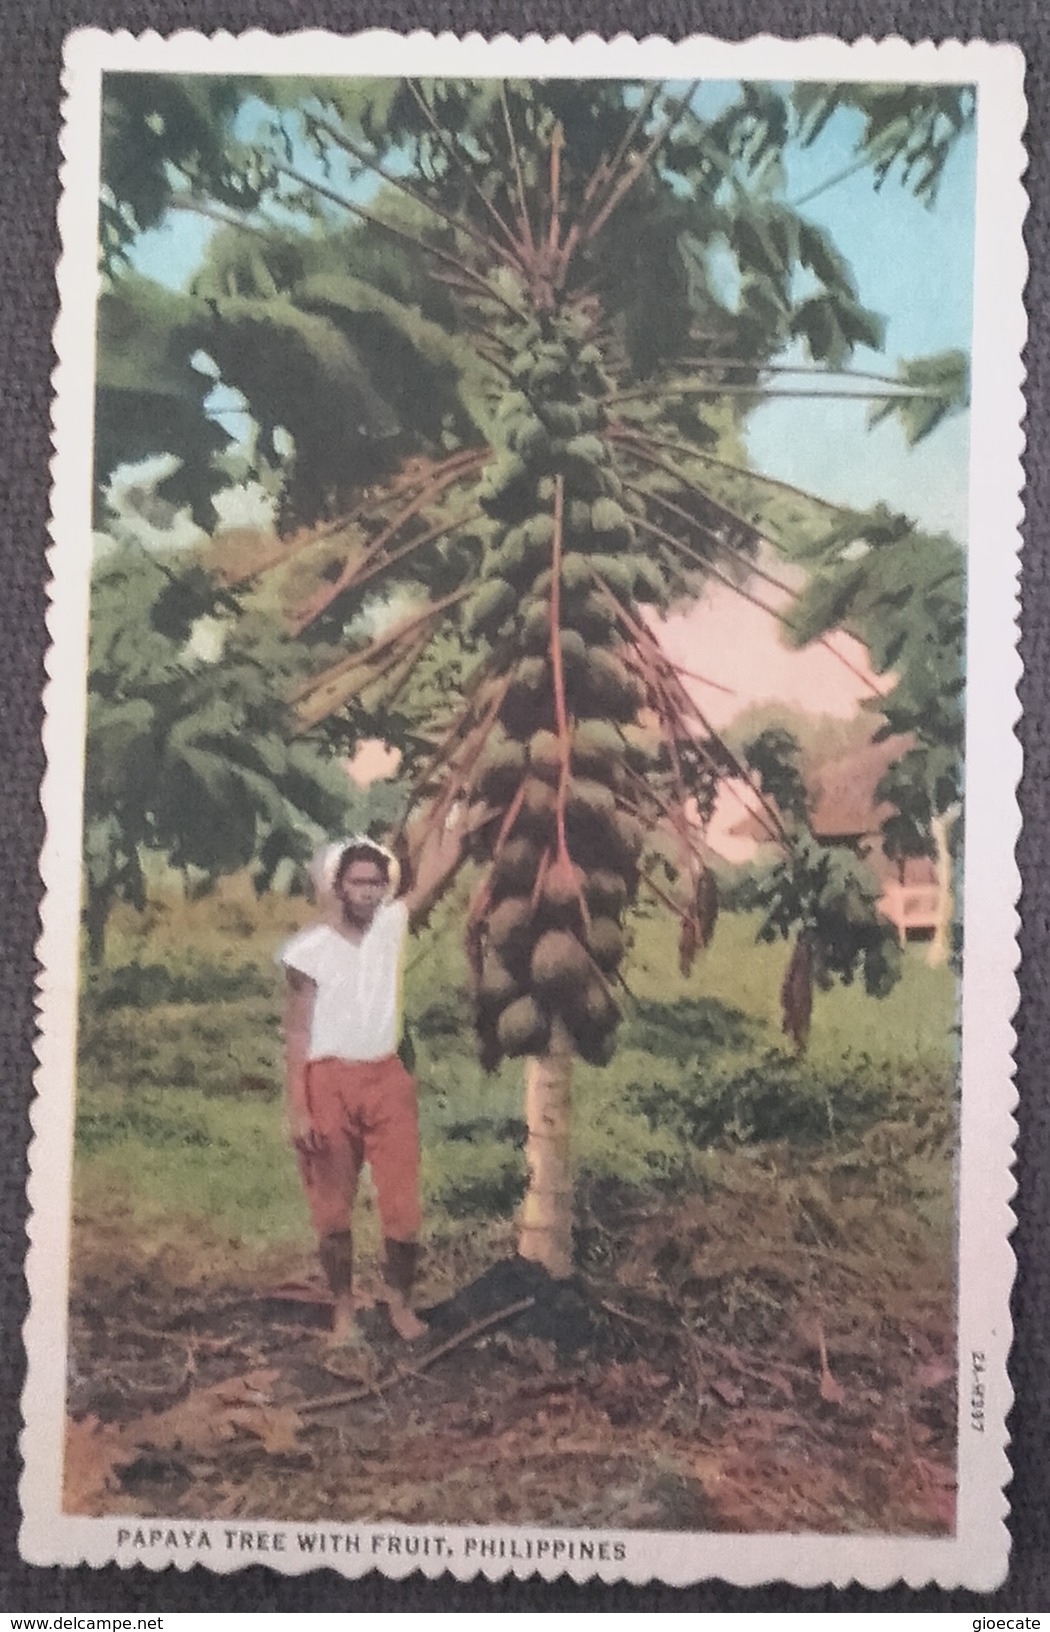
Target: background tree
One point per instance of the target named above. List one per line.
(564, 467)
(189, 756)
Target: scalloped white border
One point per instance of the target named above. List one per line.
(977, 1556)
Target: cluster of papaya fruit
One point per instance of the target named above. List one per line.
(567, 866)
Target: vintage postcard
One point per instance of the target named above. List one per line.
(527, 964)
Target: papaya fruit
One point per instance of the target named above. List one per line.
(611, 524)
(590, 415)
(538, 810)
(608, 688)
(630, 833)
(597, 748)
(592, 1018)
(532, 672)
(595, 1008)
(535, 625)
(545, 756)
(617, 573)
(589, 800)
(606, 892)
(587, 450)
(650, 585)
(574, 653)
(498, 986)
(491, 606)
(644, 747)
(508, 487)
(501, 770)
(540, 531)
(578, 517)
(593, 617)
(576, 572)
(523, 1028)
(510, 929)
(507, 559)
(529, 437)
(546, 373)
(605, 941)
(594, 1047)
(559, 966)
(560, 901)
(560, 419)
(515, 871)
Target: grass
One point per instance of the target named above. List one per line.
(745, 1211)
(180, 1135)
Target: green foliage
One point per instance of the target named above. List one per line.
(533, 256)
(343, 350)
(150, 399)
(903, 593)
(771, 1097)
(163, 134)
(179, 1098)
(942, 387)
(908, 130)
(774, 756)
(827, 897)
(146, 985)
(190, 758)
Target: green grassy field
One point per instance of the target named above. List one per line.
(743, 1219)
(180, 1137)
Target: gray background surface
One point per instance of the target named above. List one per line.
(30, 60)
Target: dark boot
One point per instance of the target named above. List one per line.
(402, 1257)
(337, 1261)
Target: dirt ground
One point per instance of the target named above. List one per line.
(719, 1379)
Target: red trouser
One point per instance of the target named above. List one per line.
(365, 1110)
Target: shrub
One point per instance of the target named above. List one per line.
(776, 1096)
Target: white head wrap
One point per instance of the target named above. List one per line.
(325, 866)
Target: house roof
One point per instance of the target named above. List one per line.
(844, 791)
(842, 794)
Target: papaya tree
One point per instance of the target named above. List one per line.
(550, 253)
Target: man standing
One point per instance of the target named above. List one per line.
(350, 1099)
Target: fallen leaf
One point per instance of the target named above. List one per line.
(94, 1454)
(935, 1473)
(297, 1292)
(941, 1504)
(276, 1426)
(207, 1417)
(830, 1390)
(728, 1391)
(253, 1383)
(934, 1374)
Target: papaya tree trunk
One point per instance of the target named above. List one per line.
(937, 952)
(546, 1217)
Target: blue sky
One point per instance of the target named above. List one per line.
(913, 265)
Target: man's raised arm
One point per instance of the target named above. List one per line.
(433, 864)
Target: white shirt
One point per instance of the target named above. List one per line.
(357, 1010)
